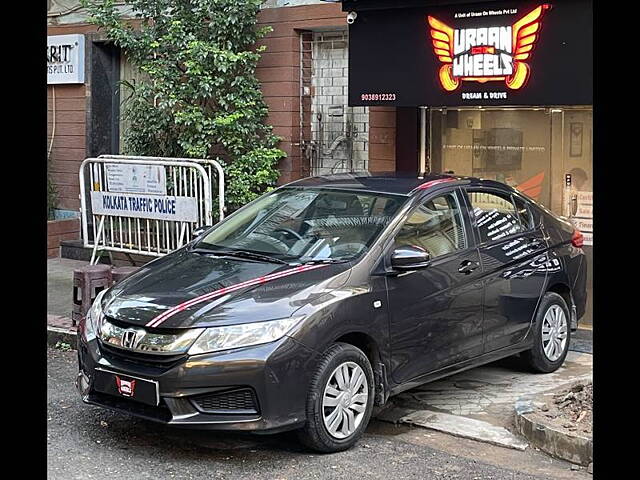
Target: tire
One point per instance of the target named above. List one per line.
(538, 359)
(316, 435)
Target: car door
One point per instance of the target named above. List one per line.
(513, 254)
(435, 312)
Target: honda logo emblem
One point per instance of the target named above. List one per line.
(131, 338)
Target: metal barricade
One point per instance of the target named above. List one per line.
(185, 180)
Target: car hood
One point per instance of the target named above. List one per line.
(187, 290)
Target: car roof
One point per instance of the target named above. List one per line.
(389, 182)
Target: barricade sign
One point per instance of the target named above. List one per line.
(147, 205)
(158, 207)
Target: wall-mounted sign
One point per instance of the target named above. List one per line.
(583, 217)
(585, 204)
(65, 59)
(583, 224)
(494, 53)
(487, 53)
(122, 178)
(154, 207)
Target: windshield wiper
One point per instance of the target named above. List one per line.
(322, 261)
(240, 254)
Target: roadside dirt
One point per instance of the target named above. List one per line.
(569, 410)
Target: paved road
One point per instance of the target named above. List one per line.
(86, 442)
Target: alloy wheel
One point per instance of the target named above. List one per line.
(344, 401)
(554, 332)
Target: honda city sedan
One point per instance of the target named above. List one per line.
(324, 297)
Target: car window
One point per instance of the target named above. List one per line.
(524, 213)
(495, 214)
(436, 226)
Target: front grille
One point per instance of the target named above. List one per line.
(240, 401)
(163, 362)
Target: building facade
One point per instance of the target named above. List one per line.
(493, 89)
(304, 77)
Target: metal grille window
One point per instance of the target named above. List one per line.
(334, 136)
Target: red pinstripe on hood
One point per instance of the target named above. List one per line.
(232, 288)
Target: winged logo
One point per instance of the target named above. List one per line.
(487, 53)
(533, 186)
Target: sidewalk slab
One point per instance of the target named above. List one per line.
(60, 285)
(479, 403)
(60, 300)
(60, 329)
(465, 427)
(582, 340)
(489, 392)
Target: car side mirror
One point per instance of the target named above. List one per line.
(409, 257)
(200, 230)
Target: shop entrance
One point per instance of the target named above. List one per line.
(545, 153)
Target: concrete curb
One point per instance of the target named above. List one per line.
(465, 427)
(63, 335)
(573, 448)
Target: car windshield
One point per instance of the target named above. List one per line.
(296, 224)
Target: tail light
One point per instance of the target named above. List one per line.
(577, 239)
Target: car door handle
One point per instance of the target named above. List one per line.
(467, 267)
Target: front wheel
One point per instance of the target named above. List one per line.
(339, 401)
(552, 335)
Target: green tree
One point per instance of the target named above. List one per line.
(200, 97)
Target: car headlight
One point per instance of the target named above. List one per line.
(214, 339)
(89, 326)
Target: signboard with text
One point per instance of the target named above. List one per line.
(123, 178)
(585, 204)
(583, 218)
(154, 207)
(495, 53)
(65, 59)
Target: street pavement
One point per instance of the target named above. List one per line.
(489, 392)
(86, 442)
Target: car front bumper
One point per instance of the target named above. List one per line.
(260, 389)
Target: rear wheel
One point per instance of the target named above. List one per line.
(339, 401)
(552, 335)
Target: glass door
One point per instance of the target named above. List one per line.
(509, 145)
(572, 157)
(545, 153)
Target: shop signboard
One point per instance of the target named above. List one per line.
(65, 59)
(493, 53)
(153, 207)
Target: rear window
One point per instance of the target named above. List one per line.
(496, 215)
(524, 213)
